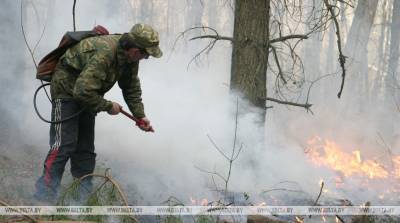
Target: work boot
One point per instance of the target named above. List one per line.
(47, 189)
(45, 197)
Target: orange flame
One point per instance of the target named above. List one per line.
(328, 153)
(201, 202)
(396, 163)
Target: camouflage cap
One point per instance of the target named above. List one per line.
(147, 38)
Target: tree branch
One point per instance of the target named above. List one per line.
(209, 46)
(306, 105)
(217, 148)
(24, 35)
(233, 156)
(279, 39)
(216, 37)
(211, 172)
(342, 58)
(280, 73)
(284, 38)
(73, 15)
(346, 3)
(32, 52)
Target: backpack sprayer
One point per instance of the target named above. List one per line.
(47, 66)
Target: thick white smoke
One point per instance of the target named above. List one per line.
(184, 106)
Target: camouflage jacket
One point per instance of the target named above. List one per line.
(89, 69)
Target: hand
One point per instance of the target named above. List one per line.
(116, 108)
(144, 124)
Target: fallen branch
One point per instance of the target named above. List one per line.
(320, 193)
(282, 189)
(107, 178)
(340, 218)
(173, 201)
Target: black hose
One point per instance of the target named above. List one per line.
(48, 121)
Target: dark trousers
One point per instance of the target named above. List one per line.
(72, 139)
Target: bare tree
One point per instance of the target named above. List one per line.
(250, 51)
(230, 158)
(271, 28)
(212, 13)
(383, 37)
(356, 49)
(147, 11)
(194, 13)
(394, 43)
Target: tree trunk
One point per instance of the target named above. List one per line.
(361, 27)
(146, 11)
(383, 37)
(388, 126)
(383, 52)
(250, 51)
(194, 13)
(356, 50)
(394, 41)
(212, 13)
(168, 19)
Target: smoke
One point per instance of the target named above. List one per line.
(186, 106)
(363, 119)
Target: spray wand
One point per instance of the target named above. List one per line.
(139, 122)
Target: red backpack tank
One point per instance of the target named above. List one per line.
(48, 64)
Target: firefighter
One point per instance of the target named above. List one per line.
(82, 76)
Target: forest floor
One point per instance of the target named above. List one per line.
(19, 169)
(20, 166)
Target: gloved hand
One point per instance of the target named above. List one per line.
(116, 108)
(144, 124)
